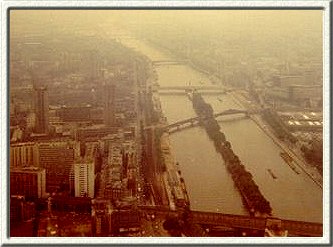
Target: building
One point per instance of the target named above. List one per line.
(113, 191)
(57, 159)
(74, 114)
(41, 110)
(28, 181)
(106, 220)
(288, 80)
(125, 221)
(31, 120)
(84, 179)
(301, 92)
(94, 132)
(101, 211)
(109, 104)
(23, 221)
(20, 209)
(71, 204)
(24, 154)
(16, 134)
(302, 121)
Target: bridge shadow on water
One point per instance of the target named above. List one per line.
(196, 124)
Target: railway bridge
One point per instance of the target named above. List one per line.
(210, 219)
(294, 228)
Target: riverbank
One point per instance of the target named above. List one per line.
(169, 173)
(309, 171)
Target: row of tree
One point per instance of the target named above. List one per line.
(280, 129)
(313, 153)
(243, 179)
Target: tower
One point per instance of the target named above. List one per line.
(41, 110)
(109, 104)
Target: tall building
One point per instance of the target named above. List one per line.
(84, 179)
(28, 181)
(109, 104)
(41, 110)
(57, 158)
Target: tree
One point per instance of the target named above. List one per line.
(173, 226)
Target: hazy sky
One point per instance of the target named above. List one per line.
(256, 19)
(266, 27)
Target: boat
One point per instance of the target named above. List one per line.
(189, 95)
(290, 161)
(272, 174)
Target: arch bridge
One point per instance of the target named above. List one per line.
(179, 125)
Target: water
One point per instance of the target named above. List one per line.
(210, 187)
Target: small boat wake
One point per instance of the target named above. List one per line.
(272, 174)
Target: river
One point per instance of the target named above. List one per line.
(210, 187)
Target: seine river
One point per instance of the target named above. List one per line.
(210, 187)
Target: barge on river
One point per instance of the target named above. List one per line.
(290, 161)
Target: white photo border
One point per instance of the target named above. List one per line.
(6, 6)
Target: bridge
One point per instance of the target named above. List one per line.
(168, 62)
(184, 93)
(195, 120)
(210, 219)
(294, 228)
(183, 90)
(190, 88)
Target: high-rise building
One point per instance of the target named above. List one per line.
(57, 158)
(41, 110)
(109, 104)
(84, 179)
(28, 181)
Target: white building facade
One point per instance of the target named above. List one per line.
(84, 179)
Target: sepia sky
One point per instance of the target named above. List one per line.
(264, 20)
(284, 31)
